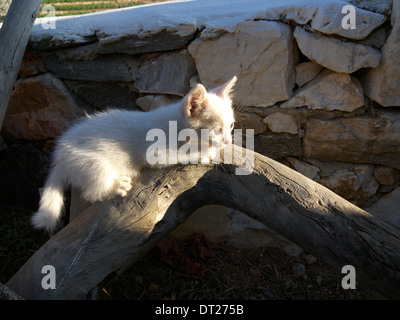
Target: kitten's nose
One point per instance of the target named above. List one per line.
(227, 140)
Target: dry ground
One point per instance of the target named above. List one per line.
(193, 269)
(197, 269)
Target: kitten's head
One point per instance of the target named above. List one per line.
(212, 110)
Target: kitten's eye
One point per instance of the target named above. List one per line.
(217, 132)
(232, 125)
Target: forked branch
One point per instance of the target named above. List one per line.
(112, 235)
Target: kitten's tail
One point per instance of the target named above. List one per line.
(51, 203)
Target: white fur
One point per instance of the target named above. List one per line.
(102, 154)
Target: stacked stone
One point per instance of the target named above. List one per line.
(321, 98)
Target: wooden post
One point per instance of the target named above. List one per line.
(110, 236)
(14, 36)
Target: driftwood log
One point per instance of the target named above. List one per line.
(112, 235)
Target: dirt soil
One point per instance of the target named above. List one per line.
(194, 269)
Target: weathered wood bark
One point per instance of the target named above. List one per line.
(112, 235)
(14, 36)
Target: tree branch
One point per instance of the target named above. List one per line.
(112, 235)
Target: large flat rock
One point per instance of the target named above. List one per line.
(334, 54)
(108, 68)
(40, 108)
(278, 145)
(132, 30)
(259, 53)
(167, 73)
(329, 91)
(328, 20)
(387, 208)
(368, 139)
(382, 84)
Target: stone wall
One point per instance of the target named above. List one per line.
(322, 99)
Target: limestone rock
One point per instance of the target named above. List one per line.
(131, 30)
(377, 38)
(361, 139)
(167, 73)
(178, 21)
(250, 120)
(107, 68)
(259, 53)
(278, 145)
(40, 108)
(31, 65)
(247, 232)
(212, 221)
(327, 169)
(387, 208)
(219, 223)
(382, 84)
(329, 91)
(335, 54)
(386, 176)
(166, 39)
(328, 20)
(281, 122)
(356, 186)
(85, 52)
(366, 182)
(106, 95)
(304, 168)
(381, 6)
(341, 182)
(307, 71)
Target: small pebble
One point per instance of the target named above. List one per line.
(298, 269)
(310, 259)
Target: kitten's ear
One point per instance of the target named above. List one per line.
(224, 91)
(196, 101)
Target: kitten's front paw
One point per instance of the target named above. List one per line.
(212, 153)
(124, 184)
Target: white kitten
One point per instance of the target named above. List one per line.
(100, 155)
